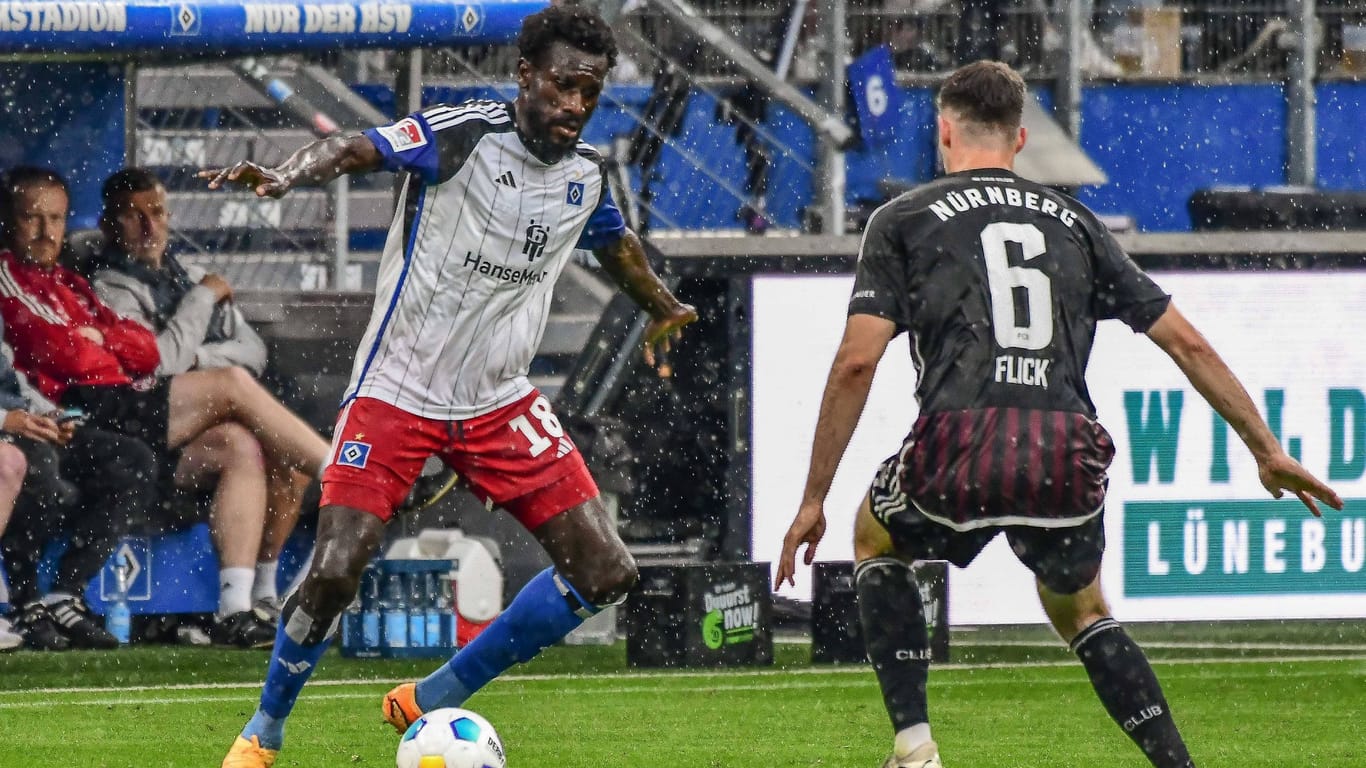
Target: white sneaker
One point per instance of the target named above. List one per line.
(9, 639)
(924, 756)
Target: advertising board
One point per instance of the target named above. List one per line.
(1191, 533)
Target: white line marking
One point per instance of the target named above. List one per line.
(702, 688)
(1170, 644)
(655, 677)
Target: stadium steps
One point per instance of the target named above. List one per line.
(301, 210)
(205, 116)
(200, 86)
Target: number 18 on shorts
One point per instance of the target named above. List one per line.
(518, 457)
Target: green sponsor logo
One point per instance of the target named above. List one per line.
(713, 630)
(730, 618)
(1220, 548)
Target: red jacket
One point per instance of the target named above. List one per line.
(44, 309)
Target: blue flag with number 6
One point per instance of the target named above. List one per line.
(872, 79)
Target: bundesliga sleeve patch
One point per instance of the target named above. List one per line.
(404, 135)
(353, 454)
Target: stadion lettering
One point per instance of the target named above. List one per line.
(251, 28)
(63, 17)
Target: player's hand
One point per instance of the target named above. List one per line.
(222, 289)
(91, 333)
(807, 527)
(39, 428)
(265, 182)
(663, 330)
(1281, 473)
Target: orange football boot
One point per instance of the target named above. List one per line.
(400, 707)
(249, 754)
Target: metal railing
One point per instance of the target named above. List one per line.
(1212, 37)
(633, 154)
(196, 117)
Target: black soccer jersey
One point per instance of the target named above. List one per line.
(999, 283)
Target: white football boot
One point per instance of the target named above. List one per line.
(924, 756)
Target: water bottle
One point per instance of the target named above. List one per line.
(445, 606)
(432, 610)
(118, 618)
(369, 609)
(393, 611)
(351, 625)
(417, 611)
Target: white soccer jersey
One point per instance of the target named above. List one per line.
(481, 232)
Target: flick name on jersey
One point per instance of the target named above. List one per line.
(1030, 371)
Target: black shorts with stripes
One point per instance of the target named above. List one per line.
(950, 518)
(1007, 465)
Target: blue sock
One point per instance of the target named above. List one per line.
(291, 664)
(269, 730)
(539, 615)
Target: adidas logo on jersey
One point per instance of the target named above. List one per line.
(507, 180)
(564, 448)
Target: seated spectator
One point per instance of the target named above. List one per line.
(197, 328)
(84, 484)
(12, 468)
(82, 354)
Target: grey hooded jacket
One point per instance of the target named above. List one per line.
(181, 340)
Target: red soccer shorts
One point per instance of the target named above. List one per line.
(517, 457)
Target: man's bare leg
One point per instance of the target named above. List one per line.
(347, 539)
(1119, 671)
(284, 496)
(228, 457)
(284, 500)
(13, 466)
(893, 619)
(1070, 614)
(203, 399)
(592, 569)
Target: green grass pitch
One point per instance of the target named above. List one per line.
(1245, 696)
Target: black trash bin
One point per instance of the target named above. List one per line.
(837, 636)
(700, 615)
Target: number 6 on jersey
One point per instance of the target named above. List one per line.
(1003, 279)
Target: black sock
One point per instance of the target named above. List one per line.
(1127, 687)
(895, 634)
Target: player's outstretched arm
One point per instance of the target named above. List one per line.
(311, 166)
(846, 392)
(624, 259)
(1217, 384)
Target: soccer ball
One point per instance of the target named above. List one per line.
(451, 738)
